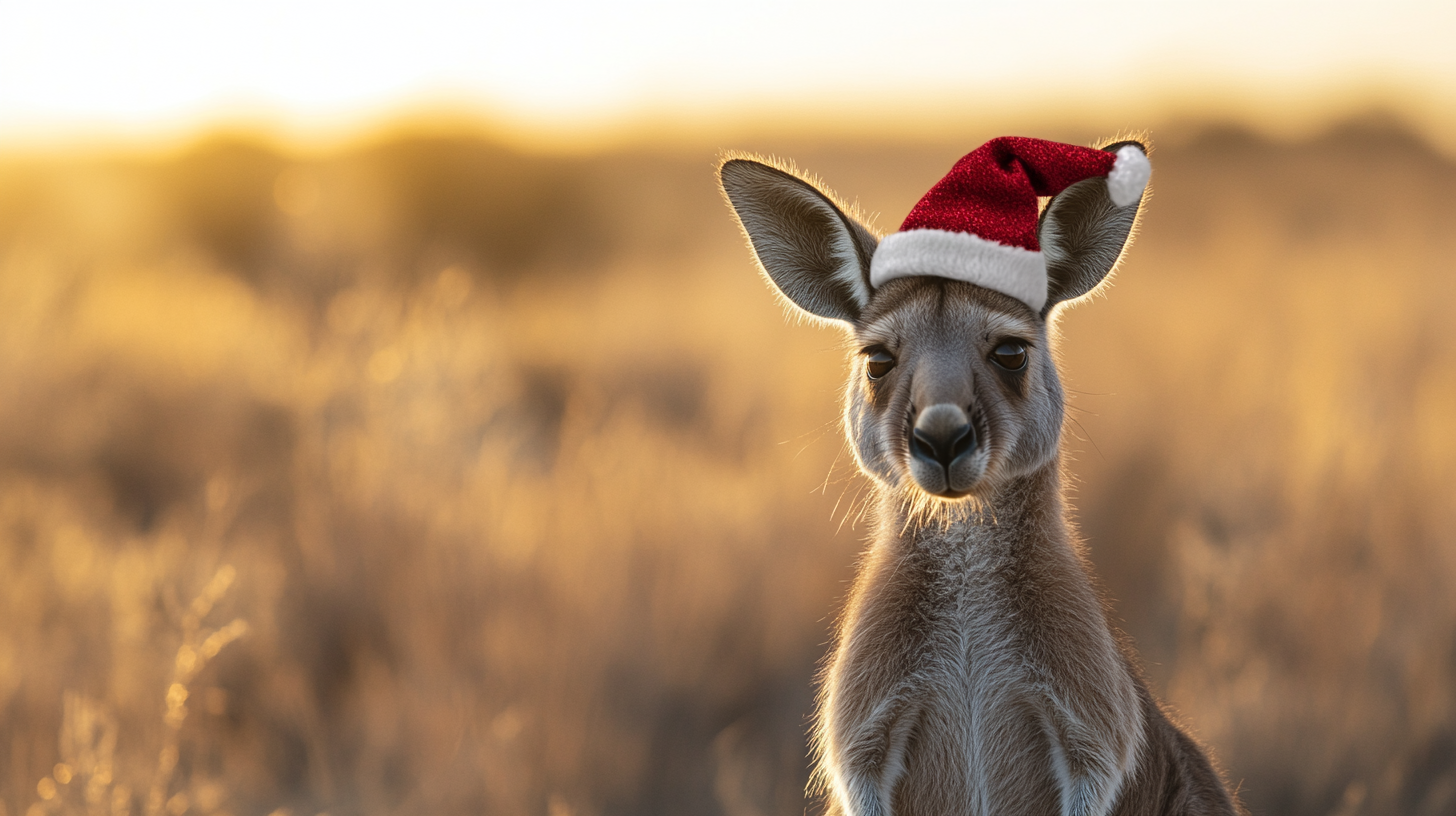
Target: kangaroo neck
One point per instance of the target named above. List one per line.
(1023, 513)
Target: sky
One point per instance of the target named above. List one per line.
(86, 65)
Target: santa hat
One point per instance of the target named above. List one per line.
(978, 224)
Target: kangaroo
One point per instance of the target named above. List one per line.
(974, 671)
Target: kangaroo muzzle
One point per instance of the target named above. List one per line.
(943, 450)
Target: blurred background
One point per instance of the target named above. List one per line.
(392, 420)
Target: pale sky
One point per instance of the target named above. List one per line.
(142, 63)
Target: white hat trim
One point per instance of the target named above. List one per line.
(1010, 270)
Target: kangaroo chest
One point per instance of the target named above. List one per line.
(980, 738)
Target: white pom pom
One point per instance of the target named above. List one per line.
(1129, 176)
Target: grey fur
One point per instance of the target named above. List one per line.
(1082, 236)
(975, 671)
(815, 254)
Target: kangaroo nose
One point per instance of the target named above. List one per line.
(942, 433)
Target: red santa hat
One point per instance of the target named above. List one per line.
(978, 224)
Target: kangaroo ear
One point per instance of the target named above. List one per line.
(816, 255)
(1083, 234)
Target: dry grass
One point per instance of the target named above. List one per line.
(535, 505)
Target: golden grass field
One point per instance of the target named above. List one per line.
(424, 476)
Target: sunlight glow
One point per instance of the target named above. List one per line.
(83, 63)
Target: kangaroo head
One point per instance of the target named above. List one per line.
(953, 389)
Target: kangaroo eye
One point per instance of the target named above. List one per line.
(878, 363)
(1010, 355)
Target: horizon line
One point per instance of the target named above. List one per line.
(1429, 111)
